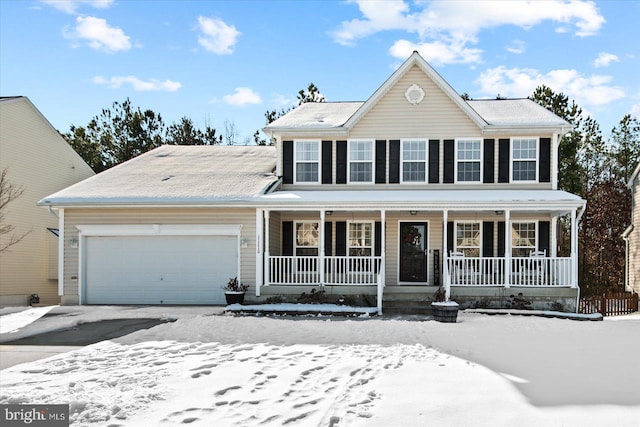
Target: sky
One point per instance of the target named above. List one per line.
(225, 63)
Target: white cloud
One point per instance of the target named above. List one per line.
(450, 26)
(71, 6)
(137, 84)
(217, 37)
(604, 59)
(594, 90)
(282, 101)
(437, 53)
(517, 47)
(242, 96)
(97, 33)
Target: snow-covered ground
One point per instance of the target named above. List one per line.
(217, 370)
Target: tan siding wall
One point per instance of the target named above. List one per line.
(74, 217)
(38, 159)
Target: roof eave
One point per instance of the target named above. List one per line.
(527, 128)
(338, 131)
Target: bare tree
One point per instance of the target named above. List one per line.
(8, 193)
(230, 132)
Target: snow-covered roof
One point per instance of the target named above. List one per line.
(316, 115)
(515, 112)
(177, 175)
(436, 199)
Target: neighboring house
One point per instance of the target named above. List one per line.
(631, 235)
(386, 199)
(40, 161)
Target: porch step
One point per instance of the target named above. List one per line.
(406, 307)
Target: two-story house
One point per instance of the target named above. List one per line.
(390, 198)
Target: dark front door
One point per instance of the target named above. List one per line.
(413, 251)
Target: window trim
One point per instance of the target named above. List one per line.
(373, 237)
(372, 161)
(295, 238)
(455, 236)
(425, 161)
(480, 161)
(512, 160)
(296, 161)
(536, 236)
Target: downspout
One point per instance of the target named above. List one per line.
(578, 218)
(625, 237)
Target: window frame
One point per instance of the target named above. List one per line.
(296, 161)
(295, 238)
(373, 238)
(350, 160)
(536, 230)
(512, 160)
(425, 161)
(455, 238)
(456, 160)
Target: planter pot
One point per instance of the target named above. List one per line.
(234, 297)
(446, 312)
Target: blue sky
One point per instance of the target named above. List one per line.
(217, 61)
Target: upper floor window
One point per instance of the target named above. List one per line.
(468, 164)
(414, 160)
(523, 238)
(468, 238)
(360, 239)
(360, 161)
(307, 161)
(307, 240)
(525, 159)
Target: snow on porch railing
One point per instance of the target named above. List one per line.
(526, 271)
(339, 270)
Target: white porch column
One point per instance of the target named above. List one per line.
(381, 282)
(554, 237)
(259, 250)
(574, 249)
(267, 273)
(507, 248)
(445, 264)
(321, 248)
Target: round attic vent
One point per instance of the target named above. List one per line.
(414, 94)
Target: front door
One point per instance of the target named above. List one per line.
(413, 252)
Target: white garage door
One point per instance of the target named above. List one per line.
(159, 269)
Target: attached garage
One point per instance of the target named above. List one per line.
(153, 264)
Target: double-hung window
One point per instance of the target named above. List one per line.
(414, 160)
(306, 239)
(468, 163)
(307, 161)
(360, 239)
(361, 161)
(468, 238)
(523, 238)
(525, 159)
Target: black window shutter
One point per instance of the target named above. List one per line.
(434, 161)
(487, 239)
(378, 239)
(489, 150)
(501, 231)
(543, 236)
(327, 162)
(381, 161)
(328, 234)
(287, 238)
(287, 162)
(450, 236)
(448, 161)
(341, 238)
(394, 161)
(545, 160)
(503, 160)
(341, 162)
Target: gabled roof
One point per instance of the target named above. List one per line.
(635, 173)
(177, 175)
(489, 115)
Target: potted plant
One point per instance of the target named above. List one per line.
(234, 291)
(443, 310)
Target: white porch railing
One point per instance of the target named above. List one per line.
(526, 271)
(338, 270)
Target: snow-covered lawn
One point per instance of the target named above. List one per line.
(330, 371)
